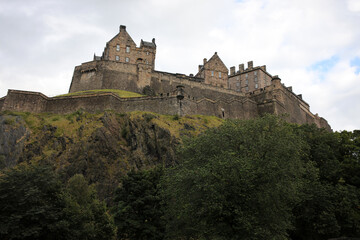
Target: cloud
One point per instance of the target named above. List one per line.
(311, 47)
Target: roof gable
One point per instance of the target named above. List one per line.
(123, 37)
(215, 63)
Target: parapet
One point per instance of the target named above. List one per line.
(249, 68)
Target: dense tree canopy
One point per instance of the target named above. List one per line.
(35, 205)
(240, 181)
(139, 210)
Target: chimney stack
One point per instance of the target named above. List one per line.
(232, 71)
(205, 60)
(250, 64)
(122, 28)
(241, 67)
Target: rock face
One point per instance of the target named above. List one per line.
(13, 135)
(103, 147)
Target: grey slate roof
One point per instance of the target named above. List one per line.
(149, 44)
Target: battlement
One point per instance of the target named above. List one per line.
(250, 68)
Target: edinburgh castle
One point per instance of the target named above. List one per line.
(241, 93)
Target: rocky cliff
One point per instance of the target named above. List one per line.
(103, 146)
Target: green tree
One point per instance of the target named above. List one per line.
(330, 202)
(30, 203)
(239, 181)
(350, 156)
(138, 212)
(35, 205)
(86, 216)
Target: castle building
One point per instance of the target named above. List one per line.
(122, 48)
(238, 94)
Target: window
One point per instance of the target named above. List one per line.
(146, 61)
(127, 59)
(237, 78)
(247, 88)
(237, 84)
(256, 86)
(246, 75)
(147, 53)
(219, 74)
(118, 47)
(212, 73)
(127, 49)
(117, 58)
(246, 81)
(255, 80)
(255, 73)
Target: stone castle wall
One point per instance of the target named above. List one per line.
(2, 100)
(105, 75)
(274, 101)
(23, 101)
(134, 77)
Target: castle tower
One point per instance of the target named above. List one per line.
(122, 48)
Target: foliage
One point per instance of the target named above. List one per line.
(35, 205)
(29, 203)
(138, 213)
(330, 205)
(239, 181)
(87, 216)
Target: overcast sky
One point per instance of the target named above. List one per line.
(313, 45)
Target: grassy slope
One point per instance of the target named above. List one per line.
(120, 93)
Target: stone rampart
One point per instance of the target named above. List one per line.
(134, 77)
(105, 75)
(23, 101)
(165, 83)
(278, 99)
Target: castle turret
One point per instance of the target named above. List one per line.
(276, 81)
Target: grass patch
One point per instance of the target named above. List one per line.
(120, 93)
(9, 121)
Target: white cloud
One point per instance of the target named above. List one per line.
(43, 41)
(353, 5)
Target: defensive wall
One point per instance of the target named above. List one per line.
(106, 74)
(36, 102)
(274, 99)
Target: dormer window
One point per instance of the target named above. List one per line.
(127, 49)
(118, 47)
